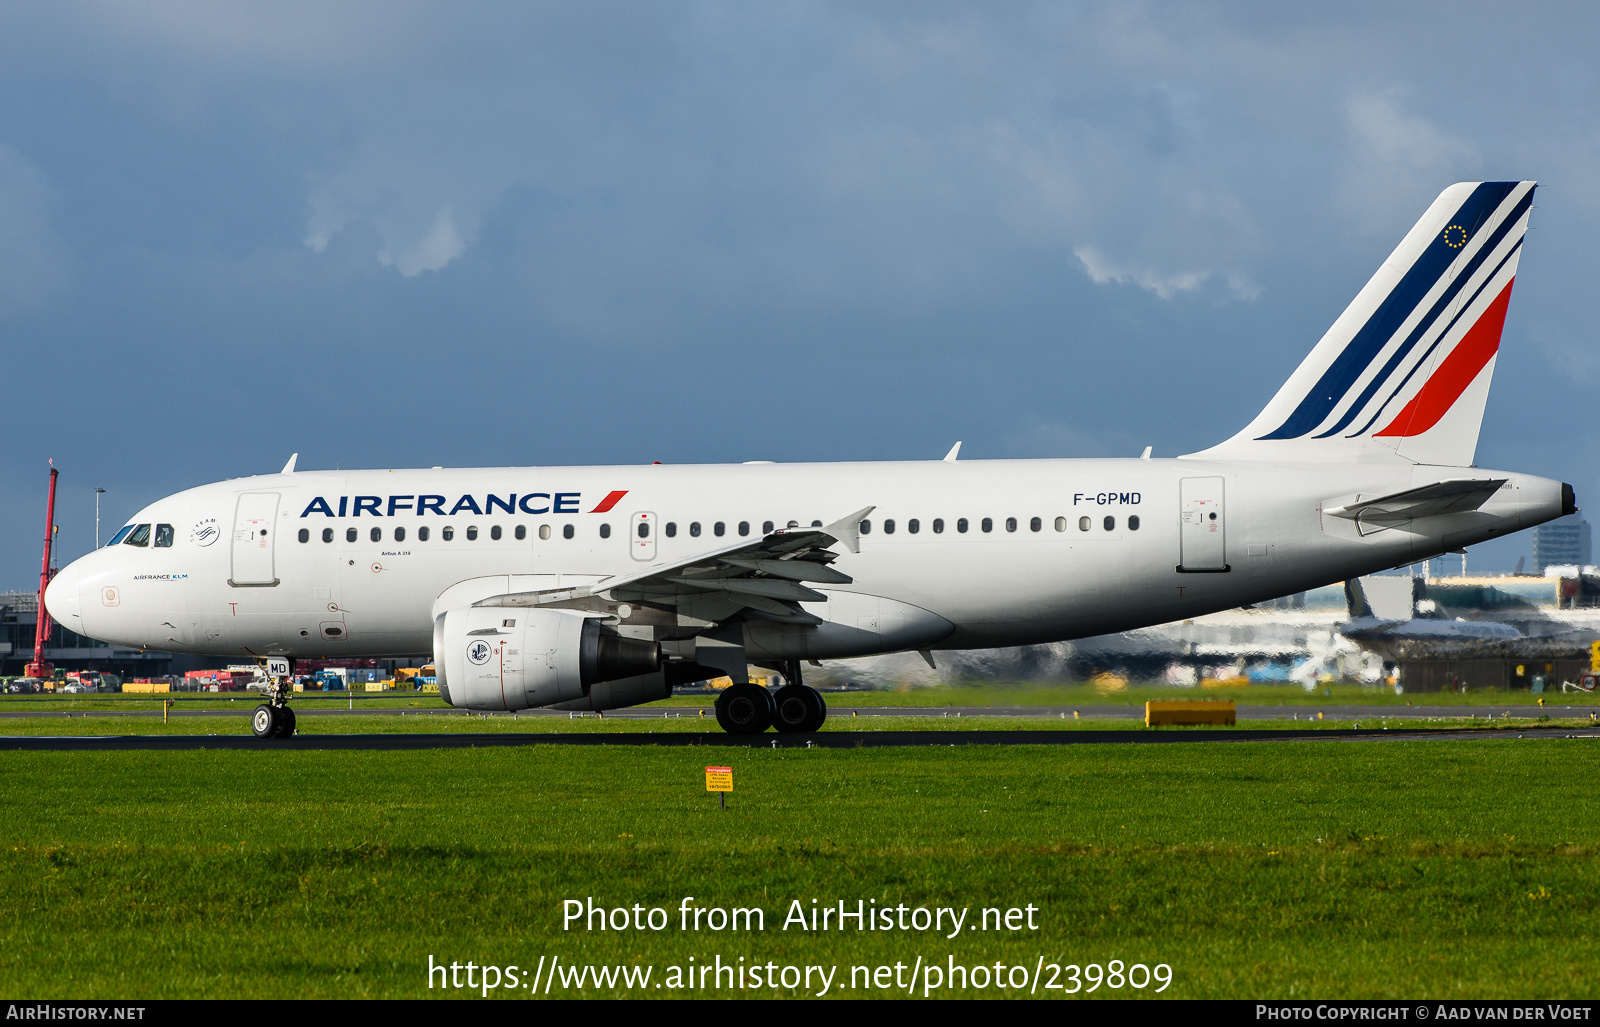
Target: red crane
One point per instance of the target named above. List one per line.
(41, 632)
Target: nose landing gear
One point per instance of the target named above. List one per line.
(271, 721)
(274, 718)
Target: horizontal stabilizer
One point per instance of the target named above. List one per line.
(1444, 497)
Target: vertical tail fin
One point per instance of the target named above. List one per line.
(1404, 372)
(1355, 599)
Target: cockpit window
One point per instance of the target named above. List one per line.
(140, 536)
(119, 536)
(163, 535)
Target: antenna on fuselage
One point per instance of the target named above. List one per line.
(950, 457)
(288, 468)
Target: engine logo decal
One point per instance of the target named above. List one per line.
(479, 652)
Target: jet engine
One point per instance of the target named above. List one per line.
(515, 658)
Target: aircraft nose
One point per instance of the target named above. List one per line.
(61, 597)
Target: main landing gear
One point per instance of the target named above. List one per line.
(274, 718)
(796, 708)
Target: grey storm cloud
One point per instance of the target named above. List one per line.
(401, 233)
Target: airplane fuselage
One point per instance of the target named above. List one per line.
(983, 553)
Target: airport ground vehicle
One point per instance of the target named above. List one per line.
(599, 587)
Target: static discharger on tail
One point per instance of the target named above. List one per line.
(601, 587)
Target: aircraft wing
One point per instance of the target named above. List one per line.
(767, 575)
(1444, 497)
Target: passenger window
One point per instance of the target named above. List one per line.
(766, 527)
(694, 529)
(521, 532)
(447, 533)
(1083, 524)
(327, 534)
(938, 525)
(567, 531)
(1133, 522)
(1011, 524)
(1061, 524)
(719, 529)
(377, 534)
(494, 532)
(888, 526)
(399, 534)
(672, 529)
(544, 531)
(1110, 524)
(913, 525)
(961, 525)
(644, 529)
(119, 536)
(422, 533)
(140, 536)
(349, 534)
(818, 524)
(1035, 524)
(793, 525)
(988, 524)
(305, 534)
(164, 536)
(472, 533)
(605, 531)
(865, 527)
(744, 527)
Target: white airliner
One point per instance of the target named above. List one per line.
(602, 587)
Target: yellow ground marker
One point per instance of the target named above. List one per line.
(1185, 713)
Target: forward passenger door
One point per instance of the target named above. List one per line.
(255, 532)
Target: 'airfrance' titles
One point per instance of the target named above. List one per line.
(416, 506)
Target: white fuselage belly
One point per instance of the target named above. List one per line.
(979, 589)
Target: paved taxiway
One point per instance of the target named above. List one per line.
(823, 740)
(310, 709)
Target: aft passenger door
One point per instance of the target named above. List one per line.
(642, 536)
(254, 534)
(1202, 527)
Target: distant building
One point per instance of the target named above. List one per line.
(1564, 540)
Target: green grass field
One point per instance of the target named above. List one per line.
(1388, 868)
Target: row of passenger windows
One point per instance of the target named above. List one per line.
(670, 529)
(914, 525)
(448, 533)
(141, 534)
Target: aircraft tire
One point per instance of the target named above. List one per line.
(285, 727)
(745, 709)
(798, 709)
(264, 721)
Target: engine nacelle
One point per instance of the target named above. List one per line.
(515, 658)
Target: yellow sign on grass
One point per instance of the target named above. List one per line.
(719, 779)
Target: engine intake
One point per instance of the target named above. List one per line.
(514, 658)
